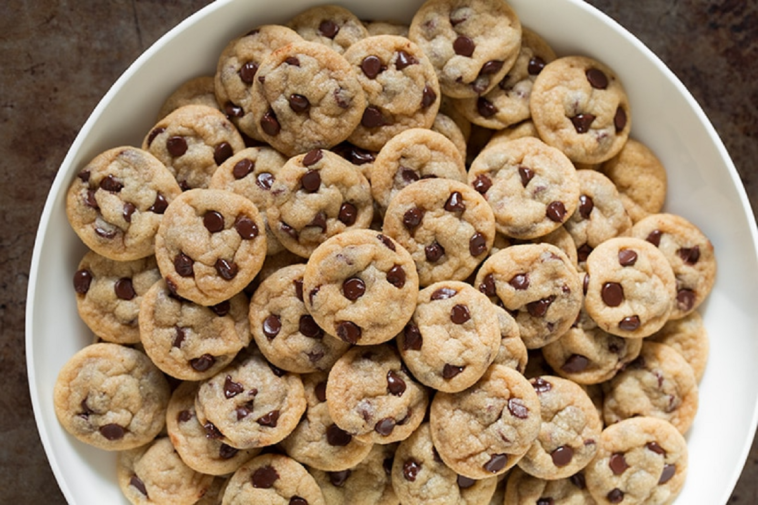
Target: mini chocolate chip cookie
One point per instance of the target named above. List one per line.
(538, 286)
(579, 106)
(111, 397)
(189, 341)
(332, 25)
(524, 488)
(361, 286)
(640, 460)
(688, 251)
(447, 126)
(316, 196)
(401, 87)
(472, 44)
(192, 142)
(250, 403)
(512, 352)
(532, 187)
(483, 431)
(284, 331)
(689, 337)
(630, 288)
(210, 245)
(446, 226)
(371, 396)
(306, 96)
(109, 293)
(195, 91)
(116, 202)
(452, 338)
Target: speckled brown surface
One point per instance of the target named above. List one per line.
(59, 59)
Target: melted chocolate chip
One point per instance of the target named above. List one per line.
(264, 477)
(668, 472)
(526, 174)
(176, 146)
(583, 252)
(396, 276)
(227, 451)
(90, 200)
(111, 184)
(482, 183)
(246, 228)
(319, 221)
(231, 388)
(576, 363)
(395, 384)
(535, 66)
(269, 419)
(428, 97)
(372, 117)
(412, 337)
(337, 437)
(627, 257)
(226, 270)
(464, 482)
(311, 181)
(690, 256)
(685, 299)
(112, 431)
(183, 265)
(264, 180)
(585, 206)
(299, 103)
(488, 285)
(539, 308)
(496, 463)
(413, 217)
(272, 325)
(556, 211)
(308, 327)
(455, 202)
(449, 371)
(654, 237)
(179, 338)
(213, 221)
(630, 323)
(137, 483)
(485, 108)
(233, 111)
(348, 214)
(477, 244)
(153, 134)
(655, 447)
(518, 408)
(387, 242)
(459, 314)
(124, 289)
(222, 152)
(211, 432)
(270, 124)
(443, 293)
(129, 209)
(619, 120)
(617, 463)
(372, 66)
(411, 468)
(582, 122)
(328, 28)
(434, 252)
(221, 309)
(203, 363)
(247, 72)
(82, 281)
(404, 60)
(562, 456)
(349, 332)
(463, 46)
(159, 205)
(491, 67)
(578, 480)
(596, 78)
(615, 495)
(519, 282)
(612, 294)
(540, 385)
(338, 478)
(385, 426)
(353, 288)
(320, 391)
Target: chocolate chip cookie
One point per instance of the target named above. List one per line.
(524, 488)
(332, 25)
(195, 91)
(689, 337)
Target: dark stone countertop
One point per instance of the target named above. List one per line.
(59, 59)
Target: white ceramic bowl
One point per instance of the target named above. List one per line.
(704, 188)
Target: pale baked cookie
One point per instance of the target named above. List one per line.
(189, 341)
(508, 102)
(525, 128)
(316, 196)
(155, 474)
(640, 460)
(215, 492)
(284, 331)
(196, 91)
(116, 202)
(690, 253)
(111, 397)
(419, 476)
(316, 441)
(484, 430)
(659, 383)
(472, 44)
(512, 352)
(237, 66)
(274, 479)
(306, 96)
(202, 453)
(532, 187)
(452, 338)
(447, 108)
(372, 397)
(412, 155)
(640, 178)
(401, 88)
(361, 286)
(538, 285)
(192, 142)
(210, 245)
(579, 106)
(689, 337)
(599, 216)
(386, 27)
(109, 293)
(331, 25)
(571, 426)
(251, 173)
(250, 403)
(445, 125)
(367, 483)
(445, 225)
(522, 488)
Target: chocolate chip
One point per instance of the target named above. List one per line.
(264, 477)
(311, 181)
(159, 205)
(411, 468)
(465, 482)
(455, 202)
(428, 97)
(488, 285)
(222, 152)
(213, 221)
(179, 338)
(211, 432)
(395, 383)
(272, 325)
(247, 72)
(319, 221)
(203, 363)
(562, 456)
(434, 252)
(328, 28)
(485, 108)
(338, 478)
(582, 122)
(269, 419)
(491, 67)
(585, 206)
(129, 209)
(615, 495)
(578, 480)
(299, 103)
(396, 276)
(443, 293)
(668, 472)
(176, 146)
(459, 314)
(540, 385)
(246, 228)
(111, 184)
(276, 371)
(575, 363)
(404, 60)
(90, 200)
(449, 371)
(545, 501)
(226, 270)
(264, 180)
(348, 214)
(412, 218)
(183, 265)
(385, 426)
(337, 437)
(518, 408)
(619, 120)
(227, 451)
(221, 309)
(482, 183)
(372, 117)
(112, 431)
(231, 388)
(477, 244)
(526, 174)
(82, 281)
(308, 327)
(596, 78)
(655, 447)
(231, 110)
(496, 463)
(138, 485)
(463, 46)
(583, 252)
(349, 332)
(270, 124)
(292, 60)
(535, 66)
(627, 257)
(387, 242)
(412, 337)
(124, 289)
(372, 66)
(539, 307)
(153, 134)
(519, 282)
(654, 237)
(556, 211)
(612, 294)
(617, 463)
(685, 299)
(320, 391)
(690, 255)
(630, 323)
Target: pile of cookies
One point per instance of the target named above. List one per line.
(368, 262)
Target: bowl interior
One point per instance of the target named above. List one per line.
(703, 187)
